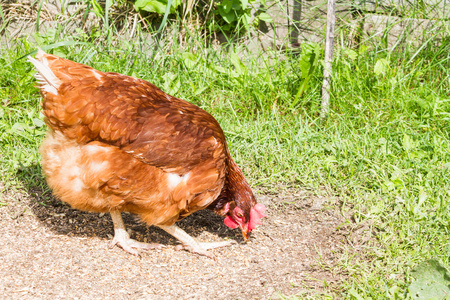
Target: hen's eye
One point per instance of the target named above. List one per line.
(239, 214)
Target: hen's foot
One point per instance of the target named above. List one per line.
(191, 244)
(122, 239)
(202, 248)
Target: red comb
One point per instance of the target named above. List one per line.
(256, 213)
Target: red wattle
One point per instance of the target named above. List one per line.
(229, 222)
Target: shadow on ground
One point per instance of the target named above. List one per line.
(62, 219)
(50, 251)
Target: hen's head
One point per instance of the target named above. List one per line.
(238, 204)
(236, 217)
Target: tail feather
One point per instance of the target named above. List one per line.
(45, 76)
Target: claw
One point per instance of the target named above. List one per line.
(202, 248)
(122, 238)
(196, 250)
(132, 246)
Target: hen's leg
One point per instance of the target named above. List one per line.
(122, 238)
(191, 244)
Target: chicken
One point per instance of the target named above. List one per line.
(119, 144)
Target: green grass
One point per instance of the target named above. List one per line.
(383, 150)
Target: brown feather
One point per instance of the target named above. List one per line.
(118, 142)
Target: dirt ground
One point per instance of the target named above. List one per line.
(50, 251)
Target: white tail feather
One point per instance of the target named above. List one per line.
(45, 76)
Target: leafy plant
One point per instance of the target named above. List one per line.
(308, 61)
(236, 14)
(381, 66)
(96, 8)
(156, 6)
(432, 281)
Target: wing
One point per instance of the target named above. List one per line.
(131, 114)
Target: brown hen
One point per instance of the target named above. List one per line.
(117, 143)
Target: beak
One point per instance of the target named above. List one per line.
(245, 233)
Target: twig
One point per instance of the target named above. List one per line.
(327, 71)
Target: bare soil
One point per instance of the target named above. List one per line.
(50, 251)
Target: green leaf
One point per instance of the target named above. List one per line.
(189, 59)
(422, 197)
(381, 66)
(236, 6)
(151, 6)
(238, 65)
(351, 54)
(171, 83)
(309, 58)
(408, 143)
(38, 122)
(157, 6)
(228, 16)
(246, 21)
(226, 6)
(18, 127)
(265, 17)
(432, 281)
